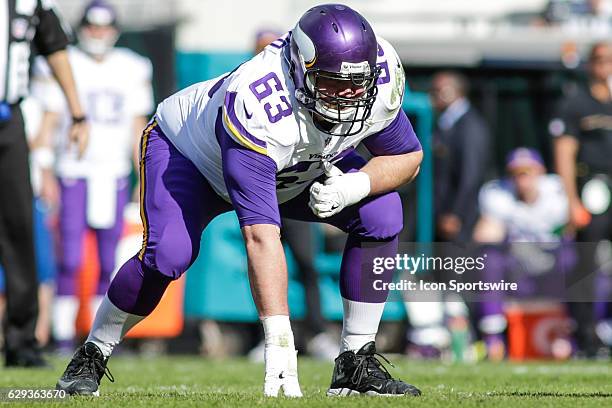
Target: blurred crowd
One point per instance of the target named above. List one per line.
(548, 229)
(546, 221)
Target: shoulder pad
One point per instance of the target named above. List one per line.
(496, 199)
(136, 63)
(392, 80)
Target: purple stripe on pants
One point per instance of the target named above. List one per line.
(178, 204)
(72, 226)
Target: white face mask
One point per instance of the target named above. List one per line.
(328, 110)
(97, 47)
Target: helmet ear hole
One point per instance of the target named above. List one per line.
(335, 27)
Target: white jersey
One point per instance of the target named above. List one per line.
(257, 108)
(536, 222)
(113, 92)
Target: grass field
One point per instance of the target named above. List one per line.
(196, 382)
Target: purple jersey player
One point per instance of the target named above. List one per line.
(275, 137)
(115, 85)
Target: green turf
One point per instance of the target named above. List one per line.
(197, 382)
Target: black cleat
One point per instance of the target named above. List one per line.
(84, 372)
(362, 373)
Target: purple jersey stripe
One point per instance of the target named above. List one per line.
(230, 99)
(250, 178)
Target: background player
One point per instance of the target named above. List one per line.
(522, 220)
(114, 84)
(275, 137)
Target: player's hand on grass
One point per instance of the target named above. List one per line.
(281, 372)
(340, 190)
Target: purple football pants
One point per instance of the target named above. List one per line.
(177, 203)
(72, 226)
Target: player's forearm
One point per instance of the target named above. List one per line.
(389, 172)
(59, 64)
(48, 126)
(566, 149)
(267, 269)
(41, 147)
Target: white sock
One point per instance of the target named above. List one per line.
(65, 309)
(278, 341)
(110, 325)
(277, 331)
(360, 323)
(421, 314)
(427, 322)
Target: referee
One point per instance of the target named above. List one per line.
(582, 130)
(23, 24)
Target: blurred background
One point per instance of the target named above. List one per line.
(515, 61)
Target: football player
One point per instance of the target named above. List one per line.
(275, 137)
(529, 206)
(115, 85)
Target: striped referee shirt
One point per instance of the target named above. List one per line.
(24, 23)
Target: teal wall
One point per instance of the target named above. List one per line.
(192, 67)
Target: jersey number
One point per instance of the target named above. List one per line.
(296, 174)
(105, 107)
(264, 89)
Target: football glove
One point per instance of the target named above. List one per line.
(281, 371)
(340, 190)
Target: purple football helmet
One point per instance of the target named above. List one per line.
(333, 60)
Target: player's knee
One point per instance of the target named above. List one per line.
(381, 218)
(172, 259)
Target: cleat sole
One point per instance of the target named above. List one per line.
(347, 392)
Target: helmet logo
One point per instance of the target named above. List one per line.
(310, 63)
(305, 45)
(348, 68)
